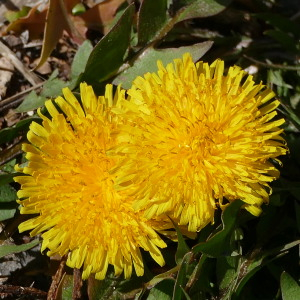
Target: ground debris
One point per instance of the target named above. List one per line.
(14, 292)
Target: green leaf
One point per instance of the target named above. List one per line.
(186, 295)
(108, 55)
(197, 274)
(182, 276)
(226, 271)
(290, 290)
(152, 17)
(219, 244)
(9, 249)
(201, 9)
(80, 59)
(7, 193)
(103, 289)
(8, 178)
(7, 210)
(9, 133)
(147, 61)
(9, 167)
(65, 289)
(182, 247)
(284, 39)
(31, 102)
(280, 22)
(8, 204)
(162, 276)
(53, 88)
(162, 291)
(275, 77)
(249, 267)
(246, 270)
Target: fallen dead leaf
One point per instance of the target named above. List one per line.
(34, 22)
(58, 21)
(57, 17)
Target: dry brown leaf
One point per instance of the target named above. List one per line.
(58, 20)
(34, 22)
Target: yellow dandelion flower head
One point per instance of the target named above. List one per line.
(69, 185)
(201, 136)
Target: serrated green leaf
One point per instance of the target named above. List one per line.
(7, 193)
(152, 17)
(9, 249)
(147, 61)
(290, 290)
(162, 291)
(218, 244)
(108, 55)
(31, 102)
(201, 9)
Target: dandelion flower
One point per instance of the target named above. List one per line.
(202, 138)
(69, 186)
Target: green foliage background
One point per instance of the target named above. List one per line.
(239, 256)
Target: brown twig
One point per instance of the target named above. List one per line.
(76, 295)
(10, 153)
(54, 288)
(273, 66)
